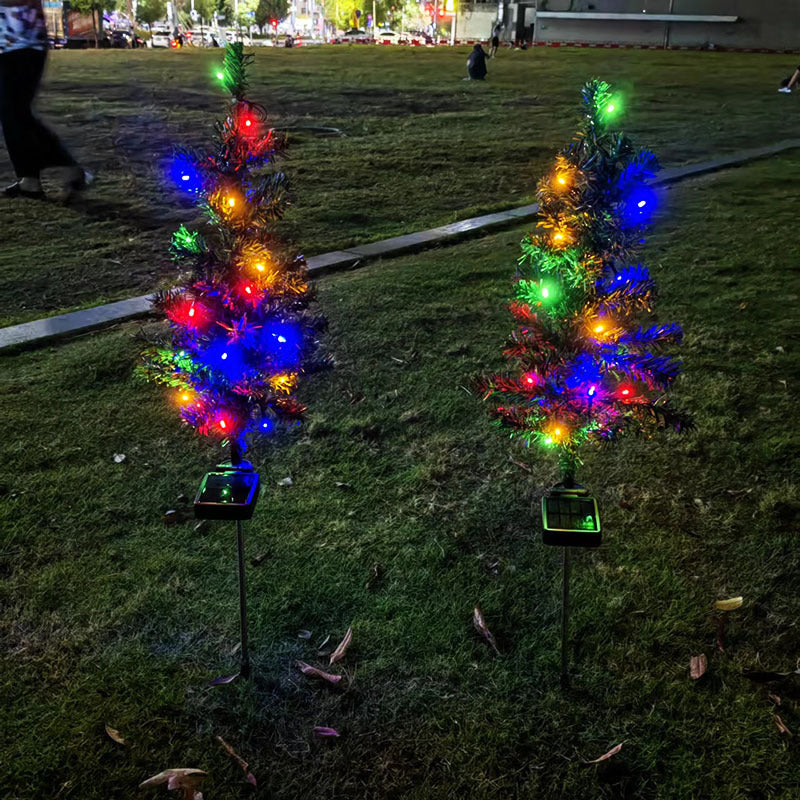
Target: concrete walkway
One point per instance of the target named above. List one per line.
(37, 331)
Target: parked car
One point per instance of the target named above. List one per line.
(124, 39)
(389, 37)
(160, 38)
(353, 36)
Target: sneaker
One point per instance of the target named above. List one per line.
(785, 90)
(16, 190)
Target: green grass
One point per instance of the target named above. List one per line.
(111, 617)
(422, 146)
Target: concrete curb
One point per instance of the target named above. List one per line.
(42, 330)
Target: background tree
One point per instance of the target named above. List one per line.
(267, 10)
(584, 367)
(93, 9)
(150, 11)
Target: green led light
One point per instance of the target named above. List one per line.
(220, 76)
(545, 292)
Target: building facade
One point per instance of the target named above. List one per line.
(724, 24)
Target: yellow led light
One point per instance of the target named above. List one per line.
(599, 329)
(260, 267)
(231, 202)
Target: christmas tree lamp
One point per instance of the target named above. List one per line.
(588, 362)
(241, 332)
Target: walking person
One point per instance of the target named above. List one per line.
(31, 146)
(787, 84)
(495, 43)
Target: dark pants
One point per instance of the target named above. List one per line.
(31, 146)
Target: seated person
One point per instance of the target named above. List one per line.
(476, 64)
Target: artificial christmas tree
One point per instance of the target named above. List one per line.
(242, 332)
(585, 369)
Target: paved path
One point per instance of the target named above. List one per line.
(40, 330)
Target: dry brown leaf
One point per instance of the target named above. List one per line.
(115, 735)
(775, 699)
(480, 626)
(321, 730)
(781, 725)
(185, 779)
(698, 666)
(313, 672)
(239, 760)
(721, 634)
(731, 604)
(339, 653)
(612, 752)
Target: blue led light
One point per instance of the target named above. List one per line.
(282, 341)
(185, 176)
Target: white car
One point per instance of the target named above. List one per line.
(353, 36)
(389, 37)
(160, 38)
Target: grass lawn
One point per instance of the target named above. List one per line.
(109, 616)
(422, 147)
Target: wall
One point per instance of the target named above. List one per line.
(771, 24)
(475, 21)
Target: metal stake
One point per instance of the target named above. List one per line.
(244, 669)
(564, 619)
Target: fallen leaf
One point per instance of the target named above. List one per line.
(223, 679)
(304, 635)
(285, 482)
(766, 677)
(313, 672)
(345, 487)
(779, 349)
(698, 666)
(200, 525)
(239, 760)
(731, 604)
(324, 642)
(339, 653)
(119, 458)
(775, 699)
(257, 561)
(183, 778)
(325, 732)
(480, 626)
(115, 735)
(721, 634)
(172, 517)
(182, 499)
(519, 464)
(236, 648)
(782, 725)
(612, 752)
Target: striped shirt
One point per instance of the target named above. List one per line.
(22, 27)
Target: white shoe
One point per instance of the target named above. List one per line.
(785, 90)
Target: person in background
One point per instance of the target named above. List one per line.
(31, 146)
(476, 64)
(787, 84)
(495, 43)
